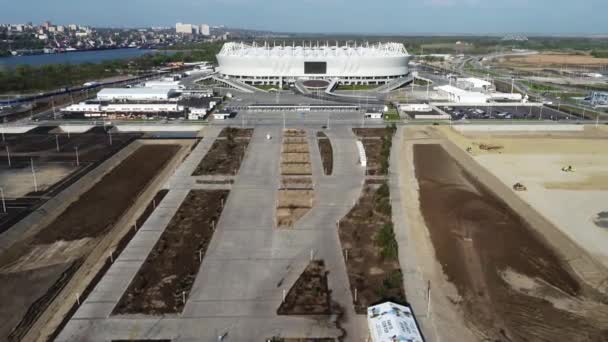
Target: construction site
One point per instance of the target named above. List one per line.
(486, 232)
(504, 224)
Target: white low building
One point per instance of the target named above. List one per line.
(197, 113)
(373, 115)
(83, 107)
(164, 85)
(143, 108)
(124, 108)
(415, 107)
(458, 95)
(390, 322)
(473, 84)
(135, 94)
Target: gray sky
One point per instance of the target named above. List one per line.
(331, 16)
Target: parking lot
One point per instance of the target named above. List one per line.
(506, 113)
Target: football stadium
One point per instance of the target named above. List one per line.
(278, 64)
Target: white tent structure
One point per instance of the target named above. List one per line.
(390, 322)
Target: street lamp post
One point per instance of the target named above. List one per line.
(34, 175)
(3, 202)
(8, 155)
(77, 158)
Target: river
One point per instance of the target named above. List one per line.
(75, 57)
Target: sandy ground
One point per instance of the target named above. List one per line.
(17, 182)
(570, 200)
(545, 59)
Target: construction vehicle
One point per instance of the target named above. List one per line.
(519, 187)
(568, 168)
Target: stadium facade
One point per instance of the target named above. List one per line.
(349, 64)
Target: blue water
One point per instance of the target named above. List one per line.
(72, 57)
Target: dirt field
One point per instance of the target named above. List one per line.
(173, 263)
(54, 169)
(536, 161)
(370, 249)
(547, 59)
(511, 285)
(226, 153)
(18, 181)
(236, 132)
(310, 294)
(327, 153)
(70, 237)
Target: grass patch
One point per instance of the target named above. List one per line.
(356, 86)
(267, 86)
(538, 87)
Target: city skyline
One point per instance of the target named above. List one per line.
(333, 16)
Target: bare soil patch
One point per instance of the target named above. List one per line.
(169, 271)
(292, 205)
(370, 132)
(512, 285)
(310, 295)
(543, 60)
(226, 153)
(370, 249)
(327, 153)
(236, 132)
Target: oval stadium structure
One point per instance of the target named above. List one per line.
(347, 64)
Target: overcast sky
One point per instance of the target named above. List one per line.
(331, 16)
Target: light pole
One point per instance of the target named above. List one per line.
(283, 120)
(57, 142)
(34, 175)
(3, 202)
(8, 155)
(77, 159)
(54, 113)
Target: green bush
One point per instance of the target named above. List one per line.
(393, 280)
(385, 239)
(383, 191)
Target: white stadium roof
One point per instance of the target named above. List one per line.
(314, 50)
